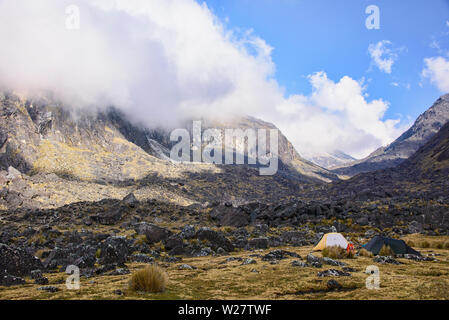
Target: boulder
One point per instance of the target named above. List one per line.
(216, 239)
(248, 261)
(230, 216)
(279, 255)
(188, 232)
(51, 289)
(8, 280)
(314, 261)
(172, 242)
(131, 200)
(82, 256)
(13, 173)
(109, 217)
(142, 258)
(385, 259)
(298, 263)
(295, 238)
(153, 233)
(258, 243)
(333, 262)
(114, 250)
(17, 261)
(333, 273)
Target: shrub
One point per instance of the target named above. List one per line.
(446, 244)
(386, 251)
(410, 243)
(439, 245)
(425, 244)
(151, 279)
(350, 254)
(365, 253)
(336, 252)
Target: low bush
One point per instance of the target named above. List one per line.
(425, 244)
(386, 251)
(365, 253)
(151, 279)
(336, 252)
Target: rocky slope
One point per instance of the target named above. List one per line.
(94, 196)
(65, 156)
(406, 145)
(423, 176)
(290, 161)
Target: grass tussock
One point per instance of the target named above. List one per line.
(386, 251)
(425, 244)
(410, 243)
(434, 244)
(365, 253)
(336, 252)
(151, 279)
(446, 245)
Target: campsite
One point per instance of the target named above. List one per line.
(274, 273)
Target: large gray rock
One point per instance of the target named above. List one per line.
(216, 239)
(114, 250)
(13, 173)
(385, 259)
(314, 261)
(258, 243)
(279, 255)
(130, 200)
(333, 262)
(109, 217)
(17, 262)
(8, 280)
(153, 232)
(333, 273)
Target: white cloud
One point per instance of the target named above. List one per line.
(158, 59)
(336, 115)
(162, 60)
(382, 55)
(436, 69)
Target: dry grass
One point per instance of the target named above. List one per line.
(365, 253)
(151, 279)
(386, 251)
(336, 252)
(446, 245)
(424, 244)
(214, 279)
(410, 243)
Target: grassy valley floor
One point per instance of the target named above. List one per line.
(217, 279)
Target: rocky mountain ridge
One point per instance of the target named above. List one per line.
(425, 126)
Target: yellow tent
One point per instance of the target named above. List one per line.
(331, 239)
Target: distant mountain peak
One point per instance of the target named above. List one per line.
(329, 159)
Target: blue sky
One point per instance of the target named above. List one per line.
(330, 36)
